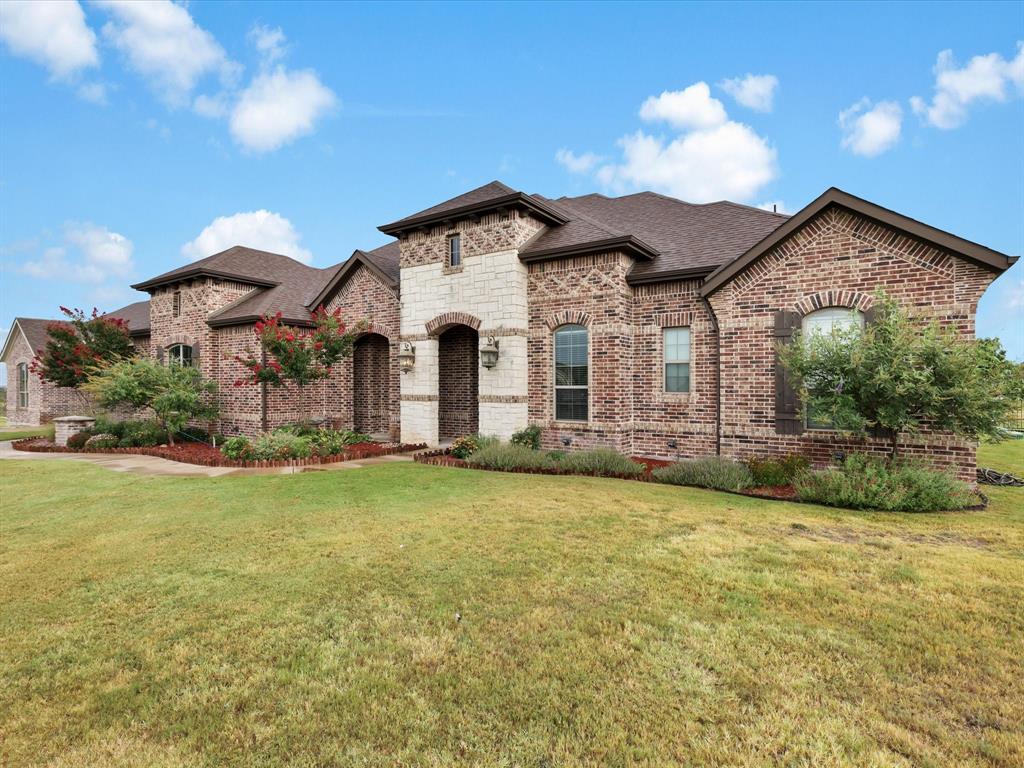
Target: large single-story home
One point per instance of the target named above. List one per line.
(640, 322)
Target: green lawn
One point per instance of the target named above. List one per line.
(309, 620)
(18, 432)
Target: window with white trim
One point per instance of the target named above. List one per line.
(572, 373)
(676, 350)
(23, 385)
(179, 354)
(831, 320)
(454, 250)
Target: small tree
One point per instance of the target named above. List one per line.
(297, 356)
(899, 376)
(175, 394)
(78, 347)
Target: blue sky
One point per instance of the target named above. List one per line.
(136, 137)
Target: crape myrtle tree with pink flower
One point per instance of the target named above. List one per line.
(300, 356)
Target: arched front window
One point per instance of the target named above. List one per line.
(826, 322)
(181, 354)
(572, 373)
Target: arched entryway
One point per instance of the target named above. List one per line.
(371, 368)
(458, 404)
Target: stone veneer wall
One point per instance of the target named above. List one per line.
(837, 259)
(487, 292)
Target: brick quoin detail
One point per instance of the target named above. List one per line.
(440, 323)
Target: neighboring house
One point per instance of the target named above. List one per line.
(33, 401)
(641, 322)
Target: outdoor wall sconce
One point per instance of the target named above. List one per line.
(489, 353)
(406, 357)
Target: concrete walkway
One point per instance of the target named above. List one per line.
(152, 465)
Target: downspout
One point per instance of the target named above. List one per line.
(718, 376)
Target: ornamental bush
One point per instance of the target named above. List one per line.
(777, 471)
(709, 472)
(865, 482)
(78, 440)
(237, 448)
(331, 442)
(463, 447)
(102, 441)
(281, 445)
(530, 437)
(600, 461)
(503, 456)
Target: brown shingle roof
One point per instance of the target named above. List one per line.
(34, 329)
(489, 197)
(684, 237)
(136, 316)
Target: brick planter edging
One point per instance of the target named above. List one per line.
(432, 458)
(30, 445)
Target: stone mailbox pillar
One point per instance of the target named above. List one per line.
(66, 426)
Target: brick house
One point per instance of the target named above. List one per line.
(640, 322)
(31, 401)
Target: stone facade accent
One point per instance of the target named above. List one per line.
(487, 293)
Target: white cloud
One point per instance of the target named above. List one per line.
(692, 107)
(278, 107)
(211, 106)
(577, 163)
(269, 42)
(50, 32)
(263, 230)
(983, 78)
(729, 161)
(870, 131)
(163, 43)
(88, 253)
(753, 91)
(95, 93)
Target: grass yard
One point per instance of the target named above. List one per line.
(309, 620)
(18, 432)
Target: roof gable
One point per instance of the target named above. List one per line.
(32, 329)
(978, 254)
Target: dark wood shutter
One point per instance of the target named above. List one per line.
(789, 417)
(160, 355)
(195, 355)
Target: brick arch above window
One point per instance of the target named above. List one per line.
(444, 321)
(568, 317)
(824, 299)
(377, 328)
(179, 338)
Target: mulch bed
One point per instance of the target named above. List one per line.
(205, 455)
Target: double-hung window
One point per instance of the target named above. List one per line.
(572, 373)
(826, 322)
(677, 359)
(179, 354)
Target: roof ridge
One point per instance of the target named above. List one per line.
(749, 208)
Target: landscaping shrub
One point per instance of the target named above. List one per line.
(556, 455)
(530, 437)
(600, 461)
(777, 471)
(132, 434)
(194, 434)
(506, 456)
(281, 445)
(79, 439)
(330, 442)
(463, 447)
(709, 472)
(102, 440)
(865, 482)
(237, 448)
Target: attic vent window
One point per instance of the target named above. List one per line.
(455, 251)
(176, 304)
